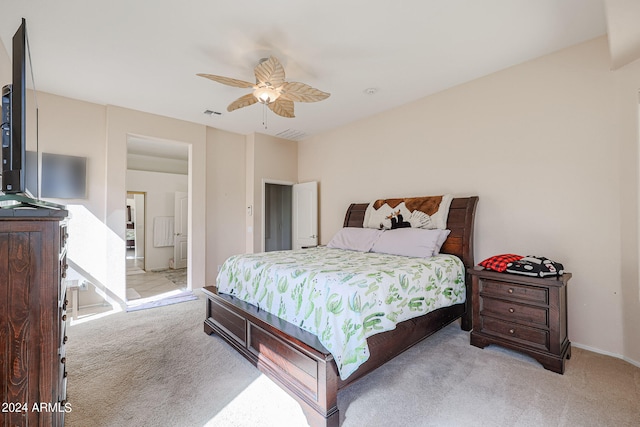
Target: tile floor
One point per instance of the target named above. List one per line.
(142, 284)
(149, 284)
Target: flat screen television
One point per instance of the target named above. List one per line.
(20, 181)
(17, 131)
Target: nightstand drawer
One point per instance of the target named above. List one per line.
(515, 312)
(533, 337)
(515, 292)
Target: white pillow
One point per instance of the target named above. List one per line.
(412, 242)
(441, 239)
(355, 239)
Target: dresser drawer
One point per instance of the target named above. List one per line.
(515, 312)
(532, 337)
(515, 292)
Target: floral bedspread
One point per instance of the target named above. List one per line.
(342, 296)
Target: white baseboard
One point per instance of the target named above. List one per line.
(606, 353)
(633, 362)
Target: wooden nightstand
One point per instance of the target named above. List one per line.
(527, 314)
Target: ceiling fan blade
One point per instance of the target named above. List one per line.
(270, 72)
(300, 92)
(243, 101)
(282, 107)
(227, 80)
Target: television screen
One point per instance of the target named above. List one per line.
(20, 119)
(63, 177)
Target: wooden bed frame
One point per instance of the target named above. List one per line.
(299, 363)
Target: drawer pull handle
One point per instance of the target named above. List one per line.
(64, 317)
(512, 331)
(510, 290)
(66, 338)
(63, 360)
(511, 310)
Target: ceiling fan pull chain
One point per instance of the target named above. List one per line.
(264, 115)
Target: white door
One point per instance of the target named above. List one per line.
(305, 215)
(181, 236)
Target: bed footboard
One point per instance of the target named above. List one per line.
(291, 357)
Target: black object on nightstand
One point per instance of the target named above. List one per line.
(527, 314)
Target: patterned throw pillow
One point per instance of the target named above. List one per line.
(499, 262)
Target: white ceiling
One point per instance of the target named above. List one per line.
(144, 55)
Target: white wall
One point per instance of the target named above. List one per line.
(540, 145)
(160, 191)
(72, 127)
(626, 131)
(226, 181)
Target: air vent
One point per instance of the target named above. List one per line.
(212, 113)
(292, 134)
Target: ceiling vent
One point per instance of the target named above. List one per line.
(292, 134)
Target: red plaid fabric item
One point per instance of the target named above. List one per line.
(499, 262)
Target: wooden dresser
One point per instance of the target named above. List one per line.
(527, 314)
(33, 317)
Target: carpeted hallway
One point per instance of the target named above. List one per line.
(157, 367)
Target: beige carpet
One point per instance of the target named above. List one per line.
(157, 368)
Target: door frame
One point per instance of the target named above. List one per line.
(176, 247)
(144, 237)
(263, 230)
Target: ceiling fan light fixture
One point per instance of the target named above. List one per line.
(271, 89)
(266, 94)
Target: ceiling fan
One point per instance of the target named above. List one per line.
(271, 89)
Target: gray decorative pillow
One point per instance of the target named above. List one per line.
(355, 239)
(411, 242)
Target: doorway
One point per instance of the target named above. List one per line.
(277, 216)
(158, 169)
(290, 215)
